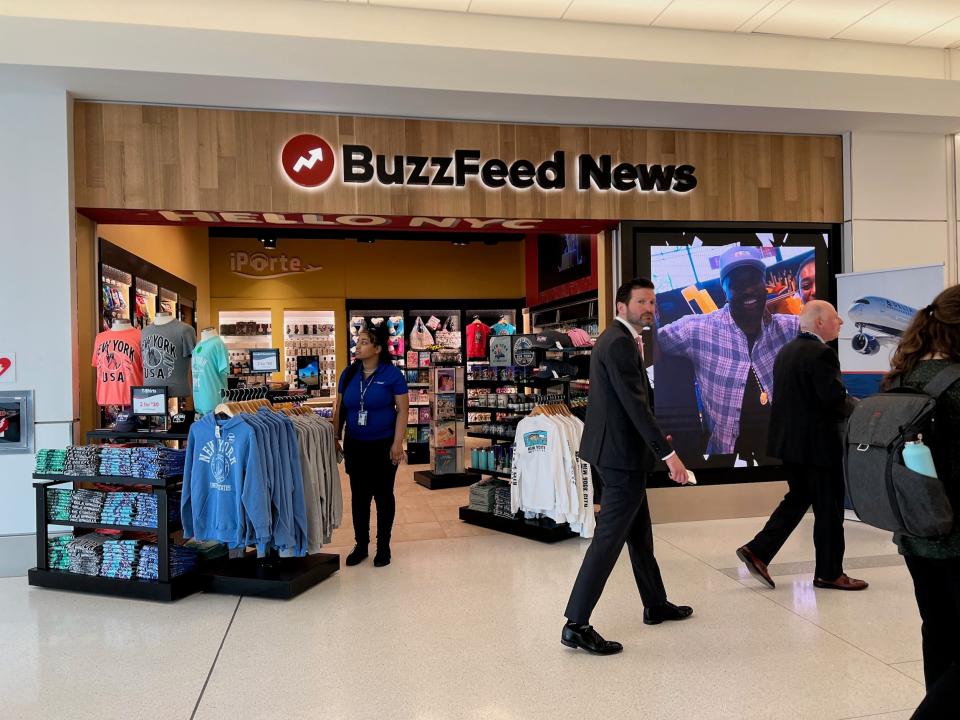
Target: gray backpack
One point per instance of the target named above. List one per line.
(884, 492)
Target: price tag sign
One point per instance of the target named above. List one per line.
(265, 361)
(149, 400)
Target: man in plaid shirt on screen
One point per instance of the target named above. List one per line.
(732, 351)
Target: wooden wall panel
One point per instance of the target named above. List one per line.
(146, 157)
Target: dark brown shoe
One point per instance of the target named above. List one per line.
(844, 582)
(756, 566)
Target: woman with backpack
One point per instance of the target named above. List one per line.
(373, 406)
(930, 344)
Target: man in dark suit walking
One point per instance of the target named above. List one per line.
(810, 404)
(623, 442)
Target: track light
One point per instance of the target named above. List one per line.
(366, 241)
(269, 242)
(461, 243)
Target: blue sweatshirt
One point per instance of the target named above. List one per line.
(299, 499)
(224, 496)
(281, 493)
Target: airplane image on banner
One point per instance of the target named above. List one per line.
(880, 315)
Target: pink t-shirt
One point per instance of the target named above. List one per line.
(119, 364)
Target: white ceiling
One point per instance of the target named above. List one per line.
(922, 23)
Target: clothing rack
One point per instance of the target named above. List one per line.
(242, 394)
(271, 576)
(533, 529)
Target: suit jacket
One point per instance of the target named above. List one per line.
(809, 404)
(620, 430)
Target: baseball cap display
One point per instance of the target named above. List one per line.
(127, 422)
(182, 421)
(550, 340)
(741, 256)
(555, 369)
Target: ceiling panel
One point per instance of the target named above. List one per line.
(521, 8)
(818, 18)
(902, 21)
(762, 15)
(947, 35)
(724, 15)
(631, 12)
(450, 5)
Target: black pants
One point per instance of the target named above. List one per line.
(372, 475)
(809, 485)
(936, 583)
(624, 518)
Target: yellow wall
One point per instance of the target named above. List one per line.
(183, 252)
(388, 269)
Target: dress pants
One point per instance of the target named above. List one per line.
(936, 583)
(809, 485)
(372, 476)
(624, 518)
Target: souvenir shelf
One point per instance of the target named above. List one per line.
(447, 431)
(309, 348)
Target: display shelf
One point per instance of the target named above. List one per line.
(58, 479)
(418, 385)
(114, 435)
(174, 526)
(485, 409)
(431, 481)
(489, 436)
(178, 587)
(530, 529)
(492, 473)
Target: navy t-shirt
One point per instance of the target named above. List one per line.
(378, 402)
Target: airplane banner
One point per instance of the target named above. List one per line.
(876, 308)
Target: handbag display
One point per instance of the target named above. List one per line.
(448, 337)
(420, 337)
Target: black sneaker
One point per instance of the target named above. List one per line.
(358, 555)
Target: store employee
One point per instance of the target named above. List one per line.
(373, 406)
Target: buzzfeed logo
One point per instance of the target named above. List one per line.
(308, 160)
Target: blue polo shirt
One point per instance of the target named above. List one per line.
(378, 402)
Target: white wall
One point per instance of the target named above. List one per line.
(37, 312)
(901, 203)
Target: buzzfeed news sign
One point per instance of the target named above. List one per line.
(310, 162)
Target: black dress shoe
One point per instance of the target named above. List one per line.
(382, 558)
(358, 555)
(586, 638)
(667, 611)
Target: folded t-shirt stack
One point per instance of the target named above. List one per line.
(58, 556)
(120, 558)
(483, 495)
(182, 560)
(502, 502)
(119, 508)
(50, 462)
(59, 501)
(86, 506)
(86, 553)
(157, 462)
(116, 461)
(82, 460)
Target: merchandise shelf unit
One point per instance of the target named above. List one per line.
(165, 588)
(309, 348)
(243, 331)
(530, 529)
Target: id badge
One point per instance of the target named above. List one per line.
(362, 418)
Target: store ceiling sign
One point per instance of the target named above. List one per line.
(263, 266)
(308, 162)
(415, 223)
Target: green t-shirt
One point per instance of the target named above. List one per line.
(210, 363)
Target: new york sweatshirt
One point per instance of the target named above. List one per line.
(225, 497)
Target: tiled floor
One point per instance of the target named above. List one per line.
(465, 624)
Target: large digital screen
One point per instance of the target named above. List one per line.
(727, 302)
(562, 259)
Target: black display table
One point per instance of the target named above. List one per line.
(432, 481)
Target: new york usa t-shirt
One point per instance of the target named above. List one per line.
(166, 356)
(119, 364)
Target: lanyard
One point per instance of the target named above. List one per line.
(363, 390)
